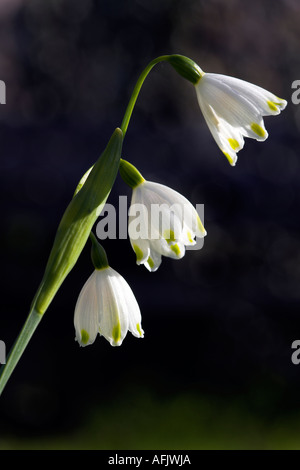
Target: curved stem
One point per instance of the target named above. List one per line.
(136, 91)
(18, 348)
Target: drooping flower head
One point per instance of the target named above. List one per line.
(232, 108)
(106, 305)
(161, 221)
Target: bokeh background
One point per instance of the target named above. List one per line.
(214, 370)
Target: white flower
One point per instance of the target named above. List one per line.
(161, 222)
(106, 305)
(233, 109)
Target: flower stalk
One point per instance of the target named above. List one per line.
(136, 91)
(186, 67)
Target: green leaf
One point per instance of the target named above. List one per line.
(78, 220)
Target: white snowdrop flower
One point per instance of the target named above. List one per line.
(234, 109)
(161, 221)
(106, 305)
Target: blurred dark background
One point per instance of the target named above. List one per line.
(214, 370)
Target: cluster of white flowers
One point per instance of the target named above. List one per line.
(106, 304)
(233, 109)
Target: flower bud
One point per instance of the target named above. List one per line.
(186, 67)
(78, 220)
(130, 174)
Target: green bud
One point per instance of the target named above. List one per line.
(186, 67)
(130, 174)
(78, 220)
(98, 254)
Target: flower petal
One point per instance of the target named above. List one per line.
(226, 102)
(106, 305)
(130, 307)
(229, 139)
(172, 220)
(141, 249)
(231, 107)
(86, 318)
(153, 262)
(180, 205)
(171, 250)
(264, 100)
(113, 324)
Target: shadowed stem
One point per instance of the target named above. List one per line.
(136, 91)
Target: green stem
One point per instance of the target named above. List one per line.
(136, 91)
(18, 348)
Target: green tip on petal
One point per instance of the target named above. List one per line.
(229, 158)
(84, 337)
(200, 225)
(150, 262)
(189, 235)
(169, 236)
(272, 106)
(116, 332)
(138, 327)
(233, 144)
(175, 248)
(258, 129)
(138, 252)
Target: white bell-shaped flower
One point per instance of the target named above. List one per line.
(106, 305)
(161, 222)
(234, 109)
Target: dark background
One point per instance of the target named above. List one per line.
(214, 370)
